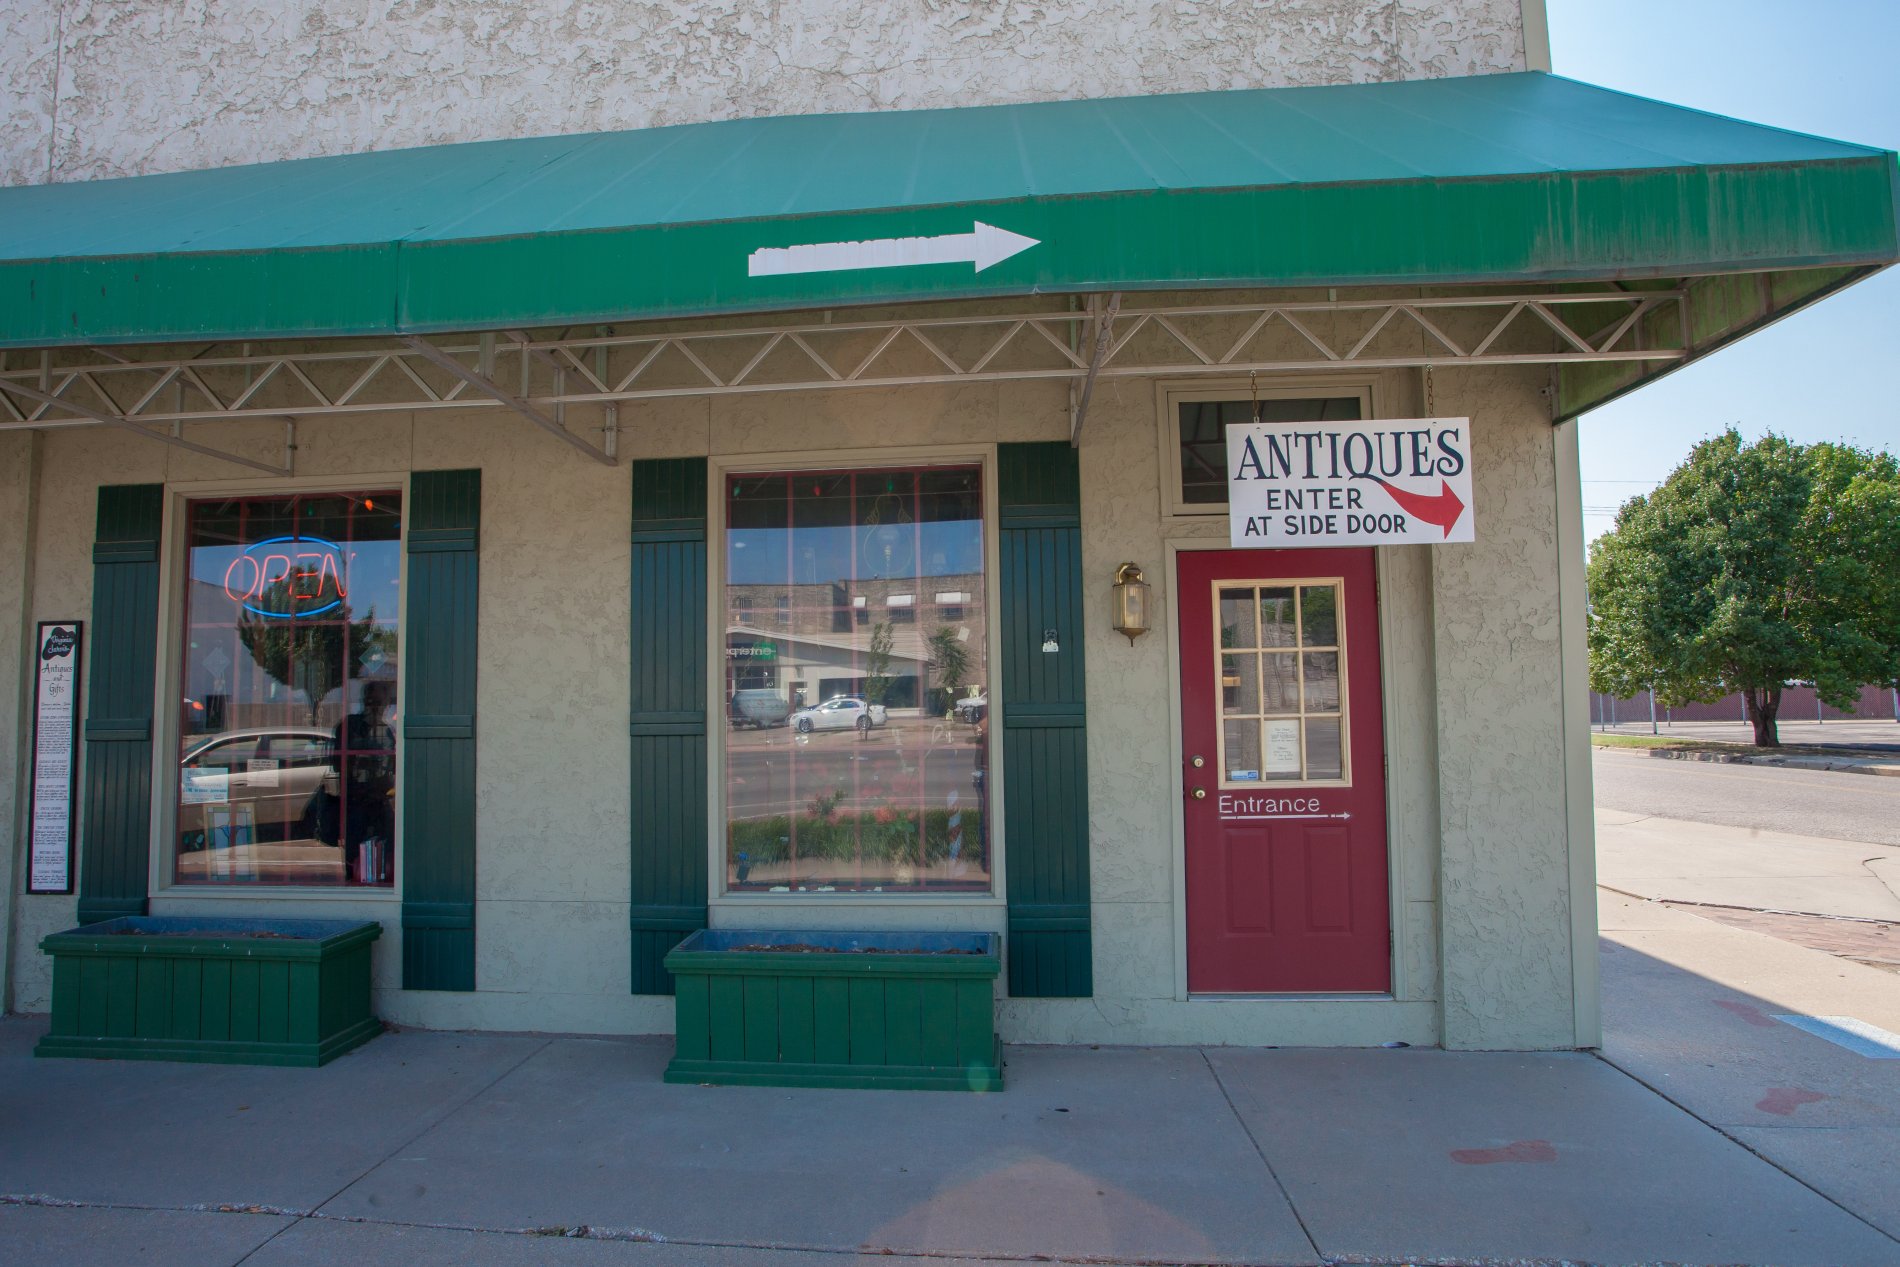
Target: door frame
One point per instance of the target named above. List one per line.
(1395, 759)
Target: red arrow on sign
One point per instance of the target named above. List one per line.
(1441, 508)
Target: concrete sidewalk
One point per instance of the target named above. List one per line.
(1692, 1009)
(426, 1148)
(1669, 860)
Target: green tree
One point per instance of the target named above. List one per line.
(1752, 566)
(877, 663)
(950, 660)
(308, 657)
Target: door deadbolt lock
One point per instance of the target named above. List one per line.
(1198, 762)
(1200, 793)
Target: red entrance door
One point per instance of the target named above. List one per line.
(1285, 772)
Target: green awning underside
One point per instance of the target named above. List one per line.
(1520, 178)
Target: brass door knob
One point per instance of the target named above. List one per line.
(1200, 793)
(1198, 762)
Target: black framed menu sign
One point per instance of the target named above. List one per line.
(55, 753)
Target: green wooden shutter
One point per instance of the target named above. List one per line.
(1045, 745)
(438, 668)
(667, 630)
(115, 847)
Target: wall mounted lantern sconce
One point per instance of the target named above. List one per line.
(1130, 602)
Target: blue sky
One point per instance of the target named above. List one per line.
(1826, 373)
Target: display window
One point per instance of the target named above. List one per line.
(856, 682)
(289, 681)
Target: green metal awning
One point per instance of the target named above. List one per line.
(1503, 178)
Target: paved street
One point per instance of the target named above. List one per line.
(777, 770)
(1800, 802)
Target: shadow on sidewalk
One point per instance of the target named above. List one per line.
(1825, 1114)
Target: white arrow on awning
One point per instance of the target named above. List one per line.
(983, 246)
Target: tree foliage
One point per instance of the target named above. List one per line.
(1750, 567)
(950, 658)
(308, 657)
(878, 678)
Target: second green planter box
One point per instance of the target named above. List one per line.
(899, 1011)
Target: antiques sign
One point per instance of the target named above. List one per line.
(1349, 483)
(55, 752)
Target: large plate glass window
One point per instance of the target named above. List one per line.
(286, 767)
(856, 682)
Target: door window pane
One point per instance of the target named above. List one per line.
(288, 690)
(1323, 751)
(1283, 711)
(1242, 746)
(1240, 684)
(1319, 616)
(857, 728)
(1237, 619)
(1278, 624)
(1321, 671)
(1279, 685)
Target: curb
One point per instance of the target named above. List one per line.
(1839, 765)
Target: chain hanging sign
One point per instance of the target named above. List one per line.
(1397, 482)
(55, 753)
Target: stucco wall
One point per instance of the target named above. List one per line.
(19, 462)
(1503, 760)
(96, 88)
(1472, 665)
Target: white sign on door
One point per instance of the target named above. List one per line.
(55, 746)
(1398, 482)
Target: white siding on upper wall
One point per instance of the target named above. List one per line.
(168, 85)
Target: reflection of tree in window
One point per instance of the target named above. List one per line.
(309, 656)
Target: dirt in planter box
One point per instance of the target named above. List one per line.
(213, 935)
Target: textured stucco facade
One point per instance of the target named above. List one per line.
(100, 88)
(1482, 841)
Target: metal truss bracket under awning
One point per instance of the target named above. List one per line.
(560, 379)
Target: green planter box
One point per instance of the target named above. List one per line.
(900, 1011)
(222, 991)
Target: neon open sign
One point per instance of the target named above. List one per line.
(289, 576)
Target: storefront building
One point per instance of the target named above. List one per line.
(549, 547)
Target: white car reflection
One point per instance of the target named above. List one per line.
(846, 712)
(274, 771)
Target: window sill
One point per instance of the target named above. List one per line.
(290, 892)
(803, 900)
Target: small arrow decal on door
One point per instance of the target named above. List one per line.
(982, 246)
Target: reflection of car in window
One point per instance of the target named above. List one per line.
(846, 712)
(757, 707)
(277, 772)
